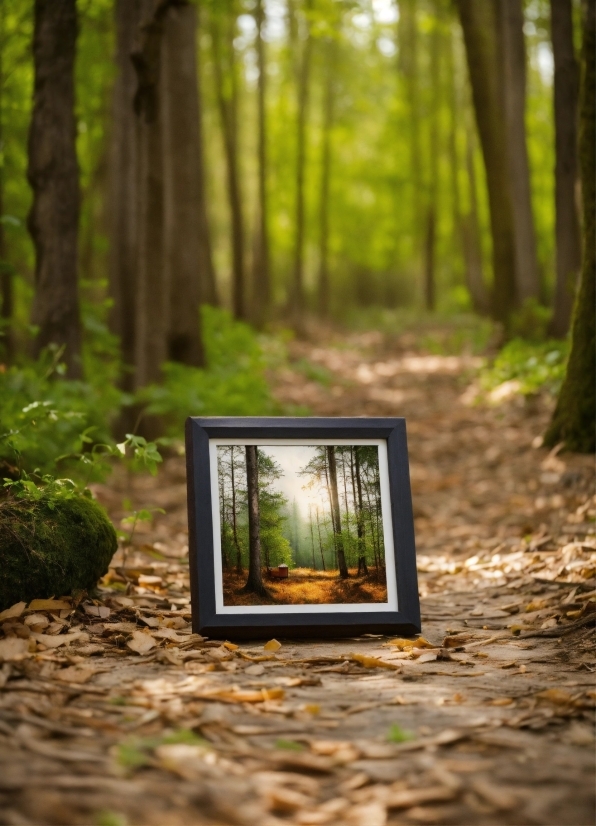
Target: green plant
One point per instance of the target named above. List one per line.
(398, 735)
(535, 366)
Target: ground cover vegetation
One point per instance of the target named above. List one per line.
(252, 207)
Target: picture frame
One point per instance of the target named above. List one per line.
(315, 460)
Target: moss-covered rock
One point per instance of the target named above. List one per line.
(52, 547)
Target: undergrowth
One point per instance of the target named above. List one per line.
(534, 366)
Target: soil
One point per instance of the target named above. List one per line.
(115, 713)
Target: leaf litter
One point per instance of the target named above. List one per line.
(112, 710)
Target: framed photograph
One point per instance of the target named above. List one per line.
(300, 527)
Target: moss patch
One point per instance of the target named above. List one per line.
(52, 547)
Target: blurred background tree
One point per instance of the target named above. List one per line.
(294, 162)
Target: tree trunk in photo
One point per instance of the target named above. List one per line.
(239, 568)
(360, 514)
(298, 305)
(575, 413)
(567, 228)
(227, 98)
(320, 540)
(152, 288)
(512, 55)
(254, 583)
(479, 25)
(53, 174)
(261, 281)
(312, 536)
(182, 184)
(436, 42)
(222, 513)
(334, 501)
(328, 111)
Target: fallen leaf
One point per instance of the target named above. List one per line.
(57, 640)
(14, 611)
(231, 646)
(501, 701)
(255, 670)
(556, 696)
(74, 674)
(13, 649)
(272, 645)
(141, 642)
(48, 605)
(37, 622)
(428, 657)
(372, 662)
(101, 611)
(404, 644)
(231, 696)
(413, 797)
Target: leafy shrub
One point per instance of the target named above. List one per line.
(535, 366)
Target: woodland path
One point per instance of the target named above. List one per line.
(498, 711)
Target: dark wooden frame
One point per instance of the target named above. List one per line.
(200, 528)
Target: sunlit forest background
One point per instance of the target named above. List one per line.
(185, 186)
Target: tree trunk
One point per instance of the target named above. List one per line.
(182, 184)
(575, 413)
(152, 288)
(254, 583)
(6, 270)
(53, 174)
(567, 229)
(512, 54)
(479, 26)
(328, 111)
(320, 540)
(298, 305)
(360, 520)
(234, 522)
(339, 545)
(261, 282)
(123, 187)
(227, 97)
(433, 166)
(312, 536)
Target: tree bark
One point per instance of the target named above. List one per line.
(254, 583)
(298, 305)
(261, 282)
(53, 174)
(320, 540)
(328, 113)
(227, 98)
(479, 24)
(512, 55)
(6, 272)
(339, 545)
(123, 188)
(182, 184)
(575, 413)
(567, 228)
(433, 165)
(153, 293)
(360, 521)
(234, 522)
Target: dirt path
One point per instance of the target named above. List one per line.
(489, 720)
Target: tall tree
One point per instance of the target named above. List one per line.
(53, 174)
(435, 43)
(575, 413)
(303, 82)
(359, 511)
(182, 184)
(261, 281)
(254, 583)
(567, 228)
(512, 57)
(222, 26)
(334, 502)
(6, 271)
(123, 200)
(330, 49)
(479, 25)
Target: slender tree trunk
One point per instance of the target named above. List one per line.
(261, 300)
(227, 97)
(479, 24)
(53, 174)
(182, 184)
(436, 42)
(567, 228)
(328, 112)
(373, 533)
(512, 54)
(360, 515)
(254, 583)
(575, 413)
(320, 540)
(152, 288)
(222, 514)
(298, 305)
(208, 280)
(6, 272)
(312, 536)
(341, 559)
(234, 523)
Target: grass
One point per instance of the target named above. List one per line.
(306, 586)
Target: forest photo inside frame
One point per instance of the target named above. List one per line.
(302, 524)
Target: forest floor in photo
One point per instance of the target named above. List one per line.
(306, 586)
(113, 712)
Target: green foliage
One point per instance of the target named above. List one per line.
(107, 817)
(530, 321)
(535, 366)
(398, 735)
(135, 752)
(233, 384)
(289, 745)
(52, 542)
